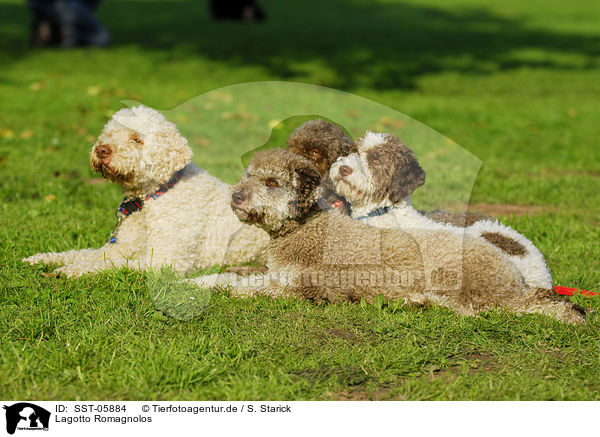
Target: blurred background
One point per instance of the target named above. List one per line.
(515, 83)
(484, 73)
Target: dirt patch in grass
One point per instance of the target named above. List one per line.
(348, 376)
(474, 362)
(343, 333)
(324, 337)
(471, 363)
(380, 394)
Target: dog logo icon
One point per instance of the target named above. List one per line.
(26, 416)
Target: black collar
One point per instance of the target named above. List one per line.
(376, 212)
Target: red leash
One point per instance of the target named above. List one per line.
(567, 291)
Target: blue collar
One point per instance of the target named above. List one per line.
(376, 212)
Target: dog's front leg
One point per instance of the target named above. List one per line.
(76, 263)
(130, 248)
(60, 258)
(97, 262)
(133, 254)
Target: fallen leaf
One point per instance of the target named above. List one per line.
(36, 86)
(388, 122)
(94, 181)
(93, 90)
(385, 121)
(26, 134)
(200, 141)
(572, 113)
(90, 138)
(49, 275)
(6, 133)
(245, 115)
(224, 97)
(49, 197)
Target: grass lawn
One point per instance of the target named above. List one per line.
(515, 83)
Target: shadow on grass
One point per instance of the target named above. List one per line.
(351, 44)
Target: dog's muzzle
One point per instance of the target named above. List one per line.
(103, 151)
(251, 216)
(344, 170)
(238, 197)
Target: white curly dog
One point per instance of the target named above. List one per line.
(173, 213)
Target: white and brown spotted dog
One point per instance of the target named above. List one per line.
(328, 256)
(378, 181)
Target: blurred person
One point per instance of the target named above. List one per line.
(66, 23)
(239, 10)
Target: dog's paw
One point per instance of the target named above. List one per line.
(208, 281)
(45, 258)
(71, 271)
(214, 280)
(34, 259)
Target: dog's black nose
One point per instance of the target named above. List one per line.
(345, 170)
(103, 151)
(238, 197)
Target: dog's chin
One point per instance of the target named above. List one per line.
(250, 216)
(111, 173)
(239, 212)
(347, 190)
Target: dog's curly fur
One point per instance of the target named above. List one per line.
(323, 143)
(385, 172)
(189, 227)
(328, 256)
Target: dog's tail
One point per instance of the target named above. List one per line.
(546, 302)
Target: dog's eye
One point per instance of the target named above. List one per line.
(375, 161)
(136, 140)
(315, 153)
(271, 183)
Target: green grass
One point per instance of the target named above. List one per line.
(515, 83)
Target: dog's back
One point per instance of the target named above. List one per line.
(334, 258)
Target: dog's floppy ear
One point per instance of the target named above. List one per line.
(309, 186)
(407, 178)
(321, 142)
(175, 153)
